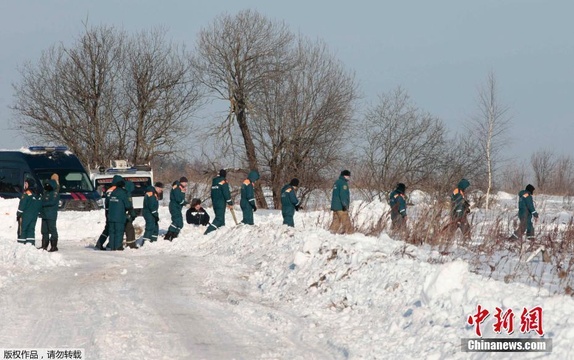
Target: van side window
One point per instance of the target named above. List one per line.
(10, 181)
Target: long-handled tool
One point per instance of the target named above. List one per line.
(233, 214)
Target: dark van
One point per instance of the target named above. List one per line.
(40, 163)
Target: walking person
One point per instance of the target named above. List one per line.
(526, 211)
(460, 208)
(176, 204)
(120, 206)
(27, 213)
(220, 198)
(340, 201)
(196, 214)
(289, 202)
(150, 212)
(247, 203)
(49, 215)
(398, 209)
(117, 179)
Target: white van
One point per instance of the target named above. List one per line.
(140, 175)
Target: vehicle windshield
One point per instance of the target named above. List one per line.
(70, 180)
(140, 184)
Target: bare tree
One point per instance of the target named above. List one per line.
(108, 96)
(563, 175)
(515, 177)
(403, 144)
(161, 95)
(543, 164)
(461, 158)
(489, 126)
(236, 54)
(300, 119)
(68, 97)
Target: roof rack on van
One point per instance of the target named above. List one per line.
(48, 148)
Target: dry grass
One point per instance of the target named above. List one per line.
(491, 252)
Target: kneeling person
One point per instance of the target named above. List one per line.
(196, 214)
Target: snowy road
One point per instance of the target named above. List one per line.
(136, 305)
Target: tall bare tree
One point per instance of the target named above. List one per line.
(543, 164)
(563, 175)
(161, 95)
(515, 176)
(68, 96)
(403, 144)
(235, 55)
(301, 120)
(108, 96)
(489, 125)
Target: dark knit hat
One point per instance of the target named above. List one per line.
(223, 173)
(294, 182)
(530, 188)
(345, 173)
(182, 179)
(401, 187)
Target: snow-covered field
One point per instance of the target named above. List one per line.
(259, 292)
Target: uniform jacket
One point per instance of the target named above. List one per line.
(220, 193)
(340, 198)
(289, 201)
(197, 217)
(176, 200)
(50, 202)
(150, 204)
(119, 206)
(398, 203)
(526, 205)
(247, 192)
(458, 202)
(29, 205)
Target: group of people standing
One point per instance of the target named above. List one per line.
(120, 213)
(34, 204)
(221, 200)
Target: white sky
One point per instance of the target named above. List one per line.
(439, 51)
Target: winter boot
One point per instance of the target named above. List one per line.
(168, 236)
(53, 245)
(45, 242)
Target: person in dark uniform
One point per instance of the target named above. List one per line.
(120, 206)
(27, 213)
(108, 192)
(289, 202)
(460, 208)
(247, 202)
(150, 212)
(196, 215)
(398, 209)
(526, 211)
(49, 215)
(220, 198)
(340, 201)
(176, 203)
